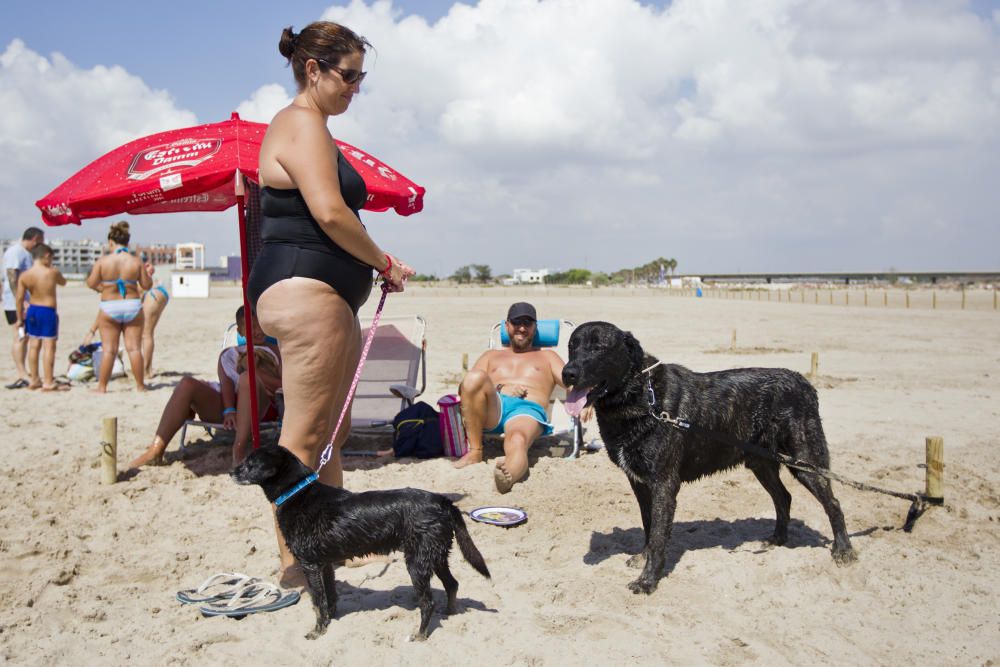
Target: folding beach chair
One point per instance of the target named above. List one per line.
(547, 334)
(214, 429)
(389, 380)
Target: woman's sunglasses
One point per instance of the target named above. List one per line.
(350, 76)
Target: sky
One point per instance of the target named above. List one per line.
(733, 136)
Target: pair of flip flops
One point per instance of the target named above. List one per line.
(237, 595)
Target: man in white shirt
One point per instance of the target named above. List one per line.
(17, 260)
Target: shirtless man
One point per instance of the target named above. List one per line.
(41, 323)
(506, 391)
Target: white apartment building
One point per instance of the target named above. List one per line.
(529, 276)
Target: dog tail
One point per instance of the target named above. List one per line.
(466, 545)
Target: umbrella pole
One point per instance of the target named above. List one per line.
(248, 320)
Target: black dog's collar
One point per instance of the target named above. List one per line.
(284, 497)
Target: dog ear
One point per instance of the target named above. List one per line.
(635, 353)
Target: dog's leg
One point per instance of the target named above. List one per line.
(643, 496)
(767, 474)
(664, 503)
(843, 552)
(449, 582)
(330, 586)
(419, 567)
(317, 590)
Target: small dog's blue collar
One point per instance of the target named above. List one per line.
(295, 489)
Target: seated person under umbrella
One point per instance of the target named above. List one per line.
(226, 401)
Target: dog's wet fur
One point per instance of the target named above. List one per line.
(324, 525)
(772, 408)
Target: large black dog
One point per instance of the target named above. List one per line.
(323, 525)
(773, 408)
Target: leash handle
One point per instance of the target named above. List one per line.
(328, 452)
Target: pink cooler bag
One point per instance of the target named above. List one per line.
(452, 428)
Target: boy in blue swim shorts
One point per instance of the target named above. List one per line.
(41, 321)
(506, 391)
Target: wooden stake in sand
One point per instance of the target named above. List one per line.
(109, 450)
(465, 361)
(935, 469)
(814, 366)
(963, 297)
(732, 345)
(934, 300)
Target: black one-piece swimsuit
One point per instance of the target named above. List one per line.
(295, 244)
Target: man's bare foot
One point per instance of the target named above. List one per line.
(152, 456)
(34, 385)
(470, 457)
(55, 387)
(99, 390)
(503, 479)
(291, 576)
(140, 387)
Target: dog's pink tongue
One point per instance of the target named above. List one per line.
(575, 400)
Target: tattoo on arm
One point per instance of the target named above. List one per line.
(12, 278)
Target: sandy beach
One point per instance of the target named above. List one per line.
(89, 572)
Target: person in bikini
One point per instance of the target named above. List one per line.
(41, 322)
(505, 391)
(118, 277)
(154, 302)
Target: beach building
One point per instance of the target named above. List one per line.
(190, 256)
(529, 276)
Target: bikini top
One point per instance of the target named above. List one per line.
(286, 218)
(121, 283)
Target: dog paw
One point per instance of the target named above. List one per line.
(416, 637)
(641, 585)
(777, 540)
(316, 632)
(844, 556)
(638, 561)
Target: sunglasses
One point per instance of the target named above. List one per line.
(350, 76)
(522, 322)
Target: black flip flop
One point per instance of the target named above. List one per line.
(20, 383)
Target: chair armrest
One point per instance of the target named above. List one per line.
(404, 391)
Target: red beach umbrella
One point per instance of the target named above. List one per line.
(194, 169)
(202, 169)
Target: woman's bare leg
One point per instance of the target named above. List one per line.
(110, 332)
(133, 346)
(152, 308)
(318, 352)
(190, 396)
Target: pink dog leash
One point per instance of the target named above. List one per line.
(328, 452)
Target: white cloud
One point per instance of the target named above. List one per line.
(58, 117)
(765, 135)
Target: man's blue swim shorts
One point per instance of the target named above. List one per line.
(41, 322)
(511, 407)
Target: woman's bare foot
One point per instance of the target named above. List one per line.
(501, 477)
(34, 385)
(152, 456)
(55, 387)
(99, 390)
(470, 457)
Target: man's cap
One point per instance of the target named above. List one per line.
(521, 309)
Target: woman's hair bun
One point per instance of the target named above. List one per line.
(286, 45)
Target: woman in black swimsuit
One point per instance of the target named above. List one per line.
(316, 268)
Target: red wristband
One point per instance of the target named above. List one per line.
(385, 272)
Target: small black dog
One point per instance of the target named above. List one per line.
(323, 525)
(773, 408)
